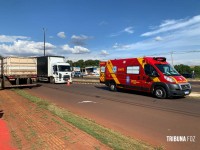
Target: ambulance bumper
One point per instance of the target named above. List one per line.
(179, 89)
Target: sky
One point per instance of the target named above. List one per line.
(102, 29)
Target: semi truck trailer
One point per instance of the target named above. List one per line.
(53, 69)
(18, 71)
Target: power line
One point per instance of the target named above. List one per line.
(176, 52)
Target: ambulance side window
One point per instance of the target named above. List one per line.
(133, 69)
(103, 69)
(149, 70)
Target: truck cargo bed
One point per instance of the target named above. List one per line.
(19, 66)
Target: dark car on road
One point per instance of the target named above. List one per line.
(78, 74)
(187, 75)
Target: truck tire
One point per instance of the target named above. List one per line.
(17, 81)
(113, 87)
(160, 92)
(1, 84)
(28, 80)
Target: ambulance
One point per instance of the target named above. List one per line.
(147, 74)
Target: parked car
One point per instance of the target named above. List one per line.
(187, 75)
(78, 74)
(94, 74)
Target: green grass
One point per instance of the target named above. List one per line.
(107, 136)
(17, 139)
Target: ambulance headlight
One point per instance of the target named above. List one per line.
(169, 79)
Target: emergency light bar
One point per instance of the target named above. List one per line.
(162, 59)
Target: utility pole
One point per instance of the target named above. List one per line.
(172, 58)
(44, 39)
(1, 76)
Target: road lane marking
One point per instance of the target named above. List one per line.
(86, 102)
(195, 94)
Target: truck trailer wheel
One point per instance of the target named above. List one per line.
(28, 80)
(17, 81)
(160, 92)
(52, 80)
(112, 86)
(1, 84)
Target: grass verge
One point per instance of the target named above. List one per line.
(107, 136)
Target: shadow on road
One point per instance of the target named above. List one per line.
(140, 93)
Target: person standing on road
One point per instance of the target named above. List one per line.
(193, 75)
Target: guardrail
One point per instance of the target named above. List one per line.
(93, 79)
(90, 79)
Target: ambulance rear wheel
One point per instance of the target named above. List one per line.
(112, 86)
(160, 92)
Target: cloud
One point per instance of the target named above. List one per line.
(158, 38)
(184, 34)
(25, 48)
(115, 34)
(61, 35)
(102, 23)
(80, 40)
(128, 30)
(75, 49)
(185, 38)
(104, 52)
(171, 25)
(51, 37)
(81, 37)
(8, 39)
(168, 23)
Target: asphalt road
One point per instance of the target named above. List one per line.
(138, 115)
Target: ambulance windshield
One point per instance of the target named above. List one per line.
(167, 70)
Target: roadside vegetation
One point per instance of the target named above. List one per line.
(83, 63)
(185, 69)
(107, 136)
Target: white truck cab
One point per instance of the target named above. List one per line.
(61, 73)
(53, 69)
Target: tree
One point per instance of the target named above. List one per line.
(197, 71)
(183, 68)
(81, 63)
(91, 63)
(70, 62)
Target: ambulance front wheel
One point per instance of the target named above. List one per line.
(113, 86)
(160, 92)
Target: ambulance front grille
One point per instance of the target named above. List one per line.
(185, 86)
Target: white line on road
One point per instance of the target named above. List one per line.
(86, 102)
(195, 94)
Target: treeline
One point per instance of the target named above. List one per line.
(187, 69)
(83, 63)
